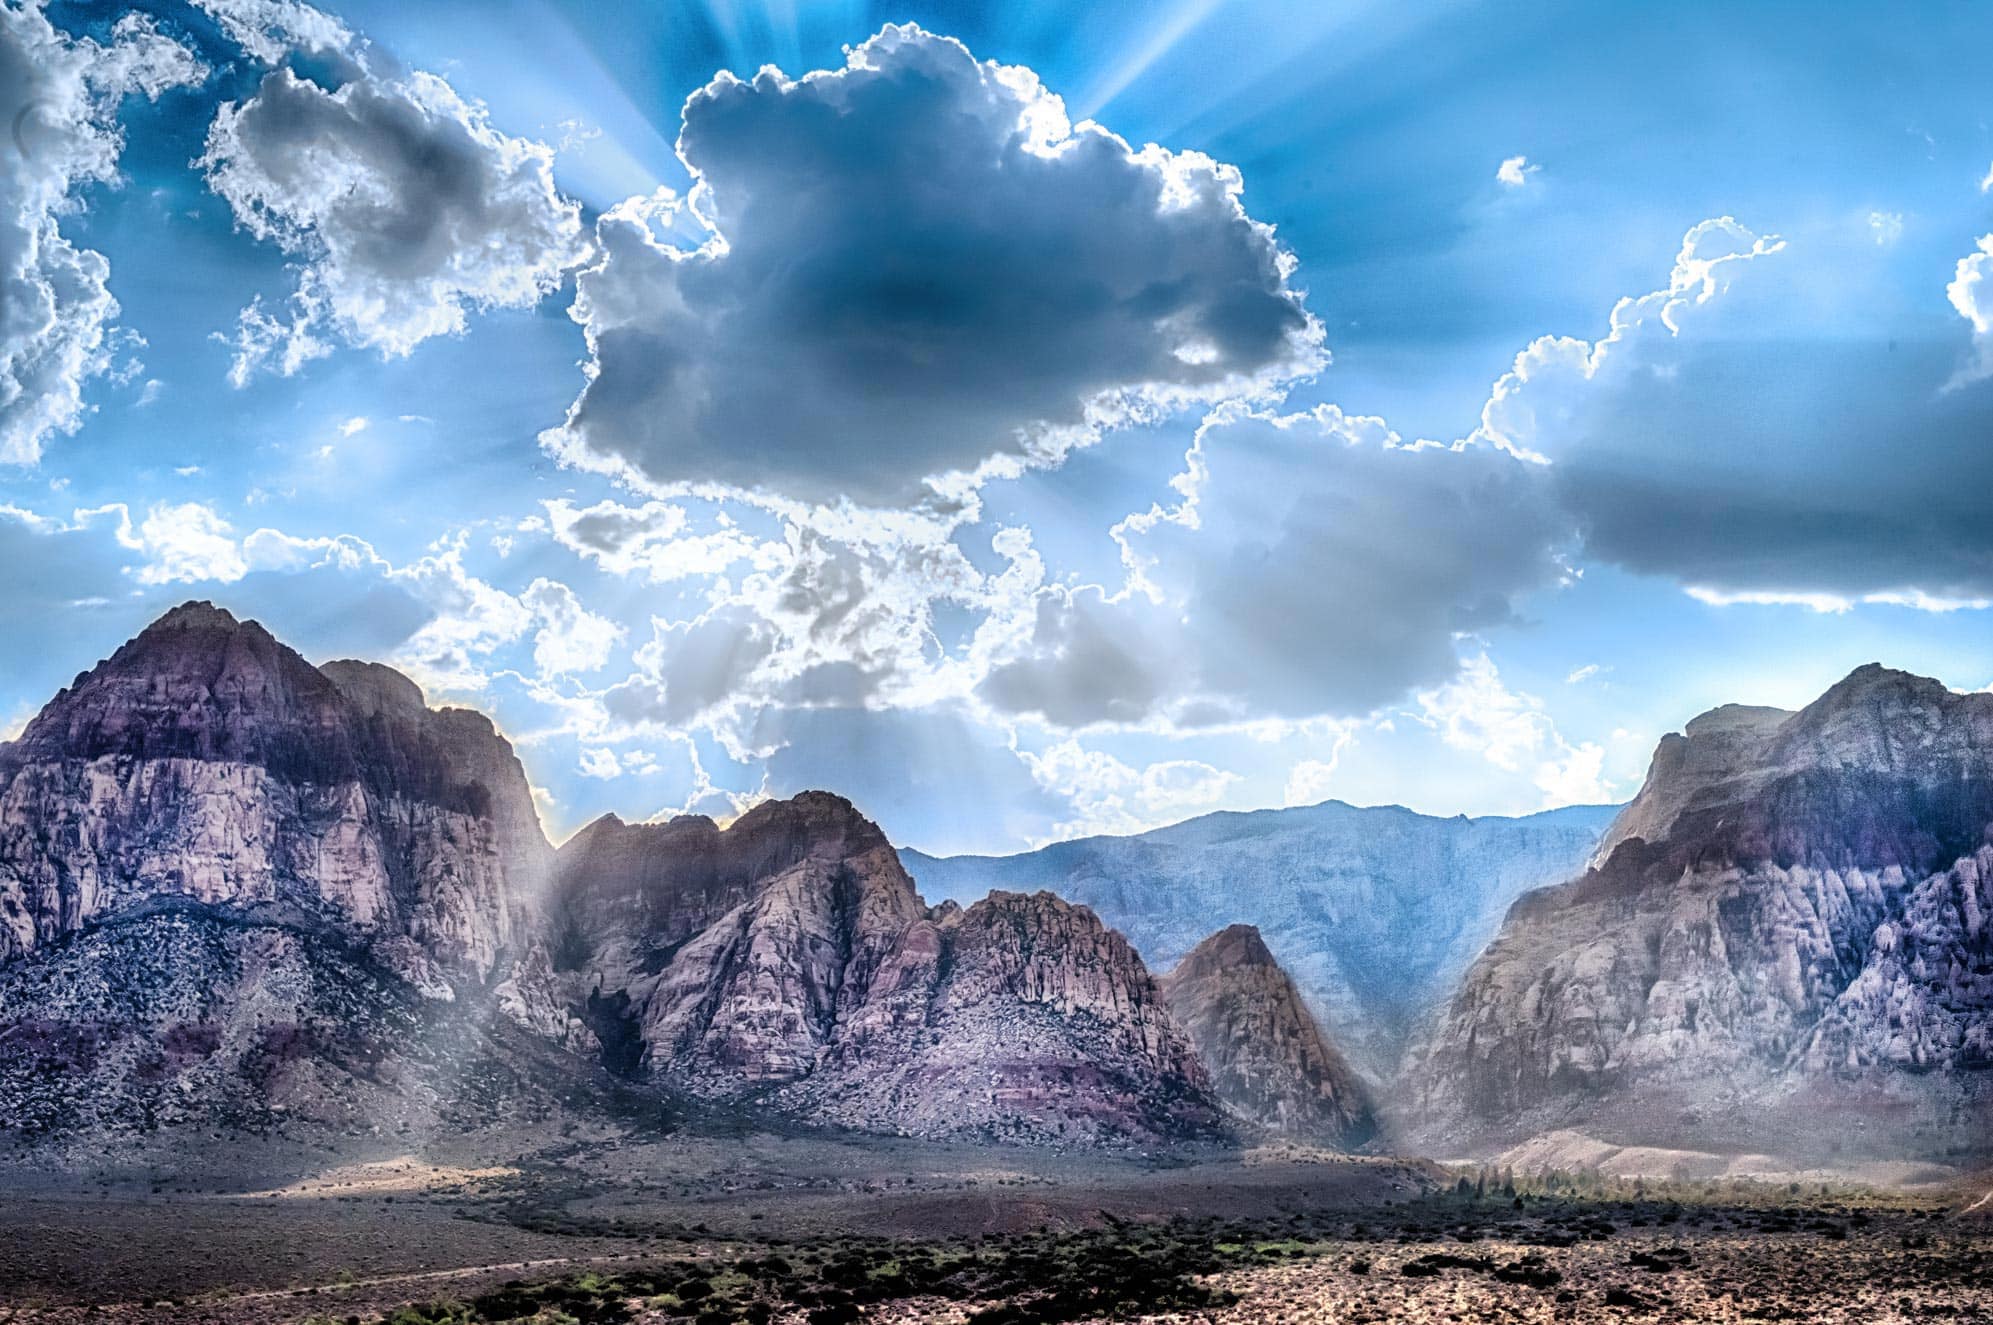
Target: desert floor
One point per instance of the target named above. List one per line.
(758, 1228)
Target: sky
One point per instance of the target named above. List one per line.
(1027, 419)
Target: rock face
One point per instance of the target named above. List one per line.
(206, 761)
(1375, 912)
(788, 960)
(1794, 911)
(1269, 1062)
(233, 883)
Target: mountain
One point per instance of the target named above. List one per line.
(241, 892)
(1786, 943)
(1375, 912)
(235, 885)
(1269, 1062)
(787, 961)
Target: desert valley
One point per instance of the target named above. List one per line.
(301, 1017)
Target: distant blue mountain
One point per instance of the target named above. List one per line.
(1375, 912)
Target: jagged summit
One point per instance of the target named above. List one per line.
(195, 614)
(1735, 718)
(376, 687)
(789, 957)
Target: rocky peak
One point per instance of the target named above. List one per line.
(1233, 947)
(204, 760)
(1268, 1059)
(375, 687)
(1791, 908)
(1713, 750)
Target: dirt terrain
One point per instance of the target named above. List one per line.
(764, 1227)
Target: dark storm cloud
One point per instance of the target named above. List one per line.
(1758, 446)
(909, 266)
(1319, 568)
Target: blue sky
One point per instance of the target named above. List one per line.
(1046, 419)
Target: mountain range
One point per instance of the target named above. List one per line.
(245, 896)
(1374, 911)
(238, 890)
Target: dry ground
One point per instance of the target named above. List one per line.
(905, 1231)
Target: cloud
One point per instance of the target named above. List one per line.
(187, 544)
(1887, 227)
(403, 208)
(1971, 293)
(656, 540)
(1515, 172)
(1309, 781)
(691, 667)
(269, 30)
(1317, 565)
(61, 95)
(571, 639)
(1477, 712)
(1723, 434)
(937, 269)
(1103, 794)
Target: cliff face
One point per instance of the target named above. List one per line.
(1793, 910)
(235, 886)
(789, 960)
(206, 761)
(1374, 912)
(1269, 1062)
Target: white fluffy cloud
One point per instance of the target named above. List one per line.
(1971, 293)
(905, 268)
(571, 639)
(271, 29)
(1308, 782)
(656, 540)
(187, 544)
(1477, 712)
(1514, 172)
(1718, 435)
(61, 96)
(1107, 795)
(1529, 409)
(403, 208)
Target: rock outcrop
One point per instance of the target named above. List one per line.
(788, 960)
(1269, 1062)
(1794, 912)
(240, 888)
(1374, 912)
(206, 761)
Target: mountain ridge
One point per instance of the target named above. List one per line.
(1372, 910)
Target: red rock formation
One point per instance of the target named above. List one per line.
(790, 959)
